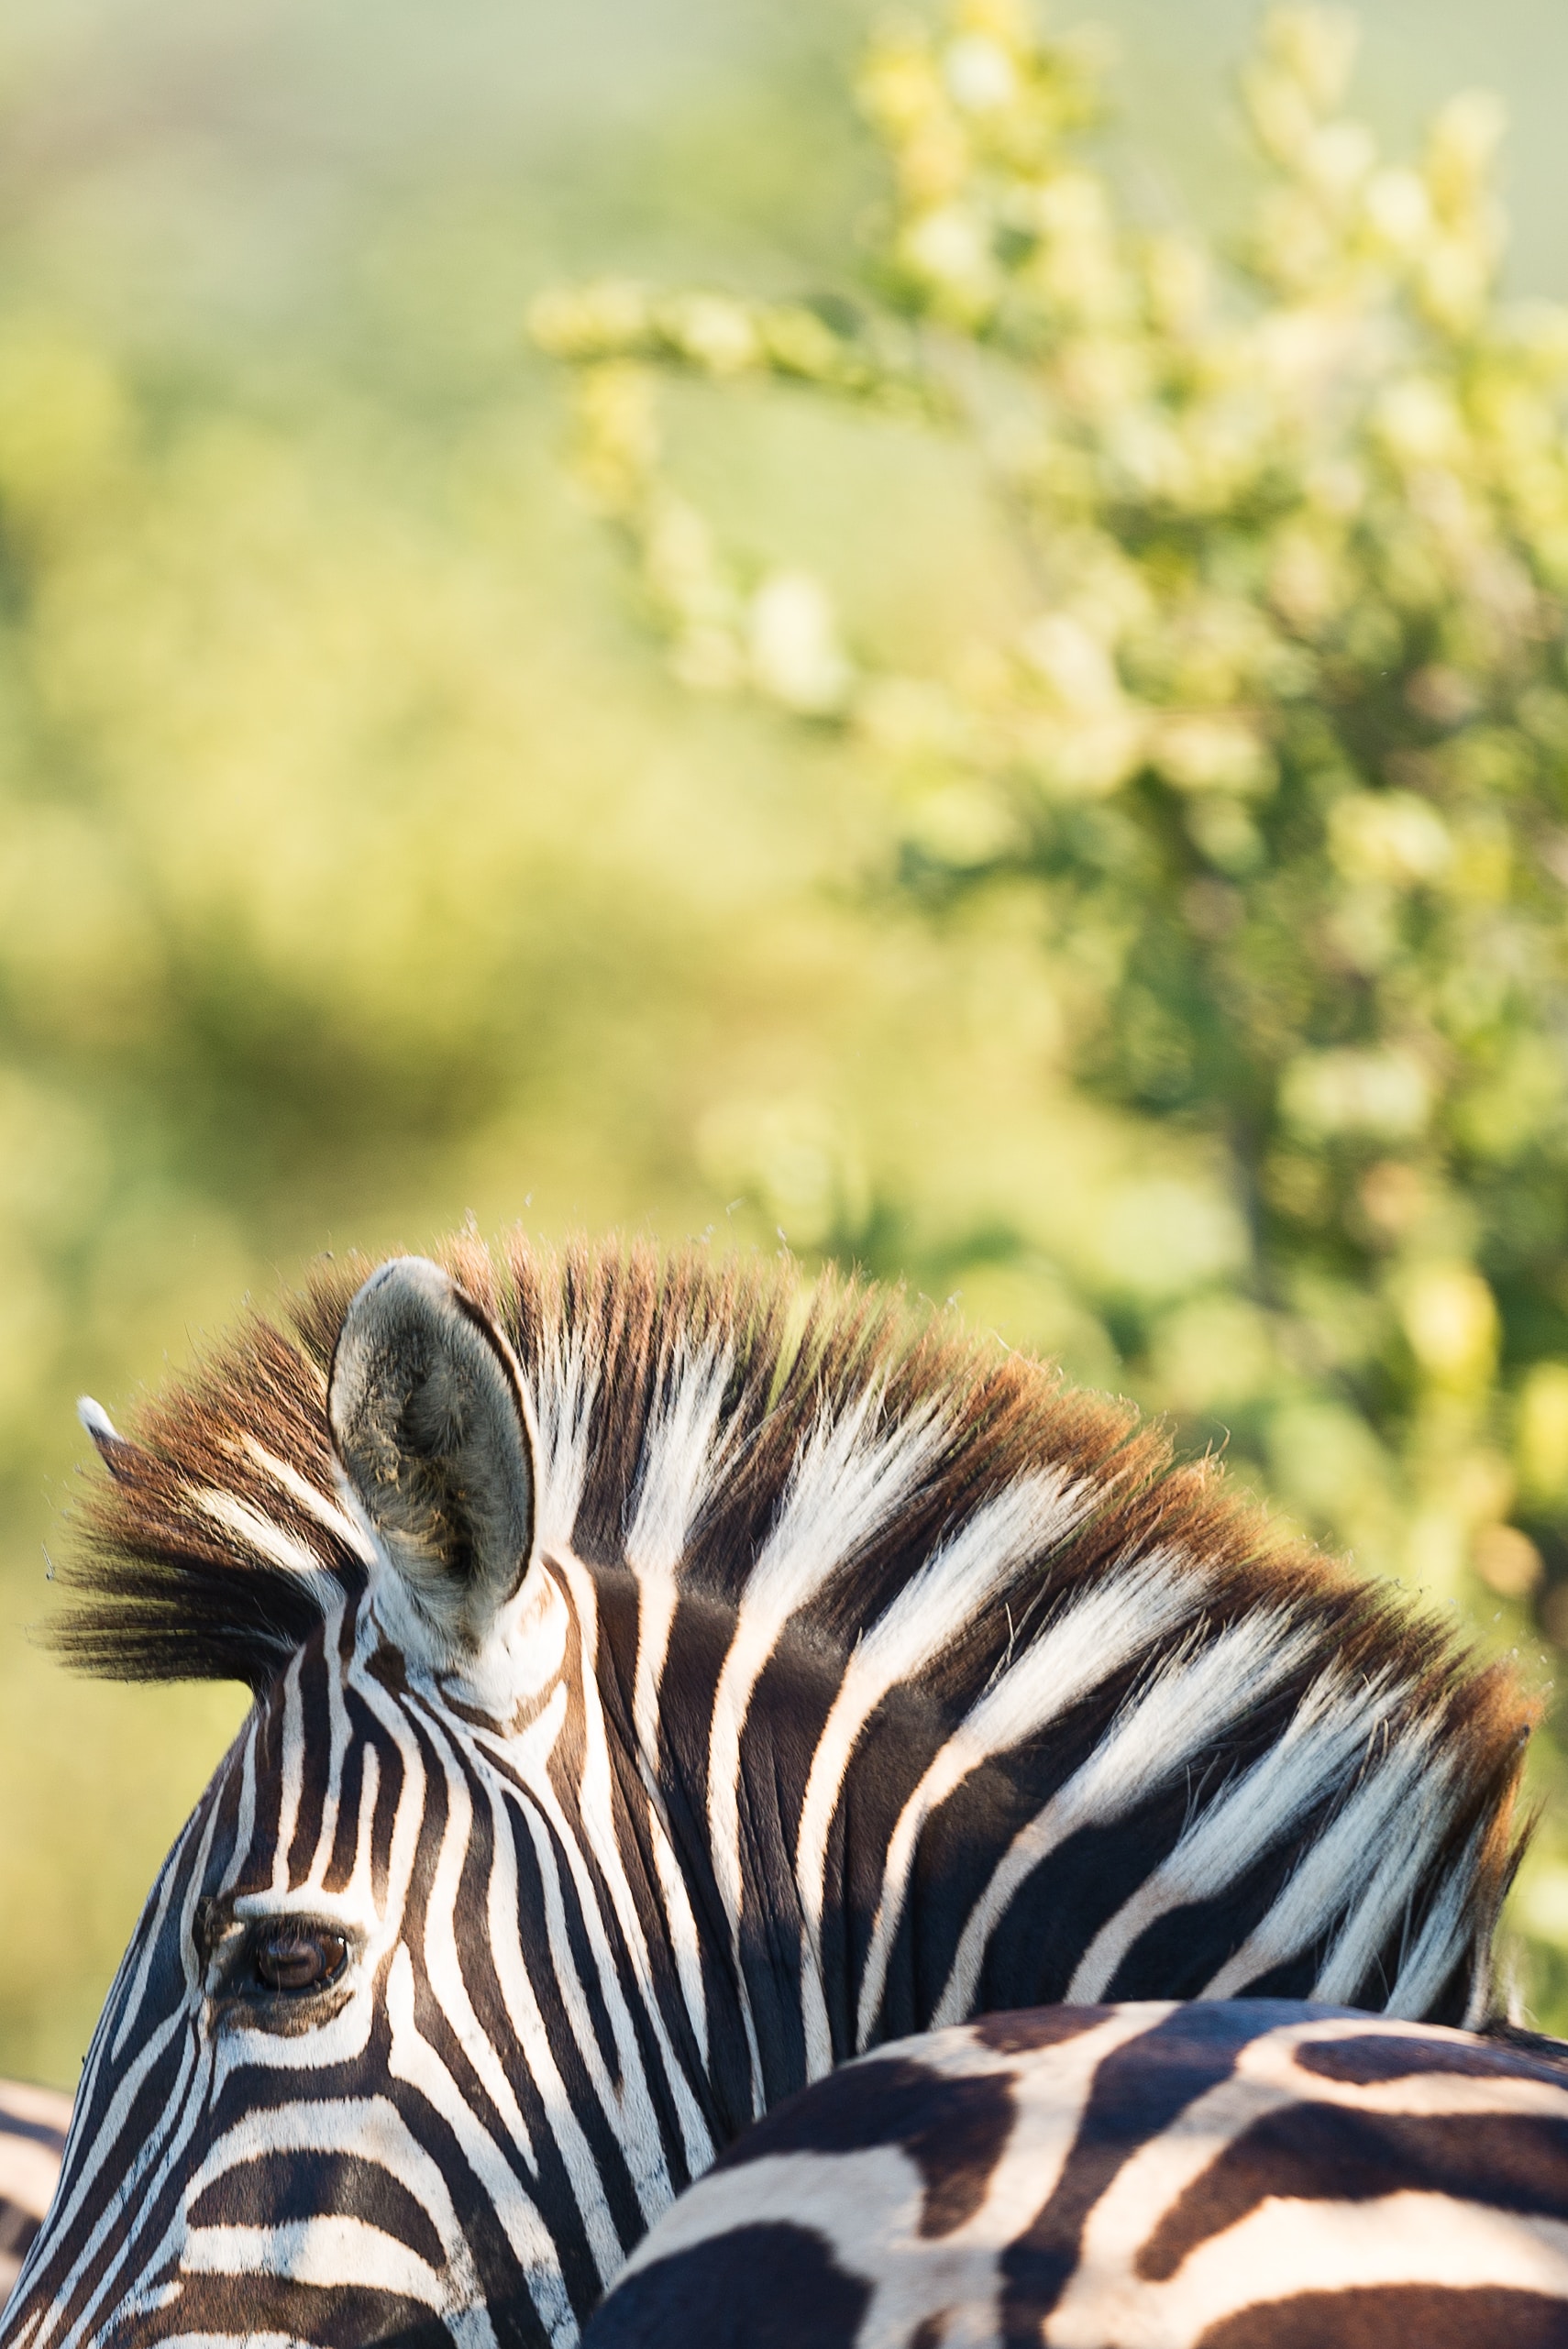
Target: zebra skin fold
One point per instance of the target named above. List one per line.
(1243, 2175)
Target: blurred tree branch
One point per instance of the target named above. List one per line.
(1282, 747)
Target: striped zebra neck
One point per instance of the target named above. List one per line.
(668, 1686)
(1255, 2175)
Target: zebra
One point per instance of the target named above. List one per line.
(1243, 2174)
(33, 2122)
(673, 1678)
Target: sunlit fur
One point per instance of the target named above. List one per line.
(862, 1677)
(1247, 2175)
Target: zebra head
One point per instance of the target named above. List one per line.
(664, 1687)
(314, 2110)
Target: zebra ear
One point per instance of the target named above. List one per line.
(431, 1429)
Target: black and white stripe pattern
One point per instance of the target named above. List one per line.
(1250, 2174)
(33, 2122)
(668, 1686)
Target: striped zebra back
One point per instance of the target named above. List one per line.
(33, 2122)
(1250, 2175)
(670, 1682)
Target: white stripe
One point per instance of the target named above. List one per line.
(681, 1460)
(1231, 2272)
(562, 1397)
(1423, 1823)
(378, 2134)
(323, 2251)
(291, 1771)
(339, 1737)
(1449, 1927)
(142, 2173)
(1331, 1723)
(550, 1837)
(226, 2341)
(1285, 2248)
(680, 1465)
(258, 1533)
(325, 1511)
(34, 2108)
(847, 1479)
(1333, 1870)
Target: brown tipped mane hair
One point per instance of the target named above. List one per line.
(218, 1543)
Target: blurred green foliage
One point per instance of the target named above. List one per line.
(353, 875)
(1112, 945)
(1270, 739)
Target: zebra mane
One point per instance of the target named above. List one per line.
(690, 1411)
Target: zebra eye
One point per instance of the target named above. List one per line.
(295, 1958)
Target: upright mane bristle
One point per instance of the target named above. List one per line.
(219, 1541)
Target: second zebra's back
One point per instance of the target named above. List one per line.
(1245, 2174)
